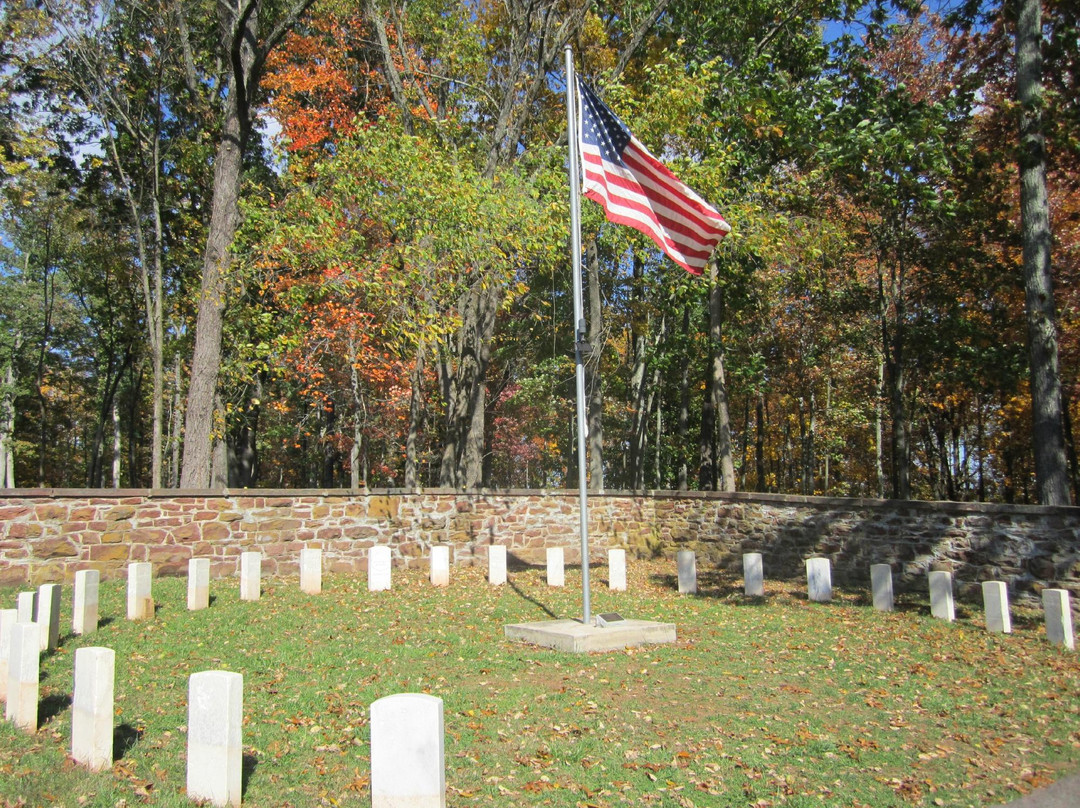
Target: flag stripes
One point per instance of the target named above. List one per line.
(637, 190)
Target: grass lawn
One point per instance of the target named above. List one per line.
(764, 702)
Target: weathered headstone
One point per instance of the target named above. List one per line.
(881, 586)
(819, 580)
(48, 616)
(250, 575)
(753, 575)
(378, 568)
(1059, 624)
(8, 618)
(311, 571)
(84, 612)
(556, 572)
(215, 757)
(686, 565)
(407, 752)
(198, 584)
(497, 564)
(140, 603)
(996, 607)
(941, 595)
(26, 605)
(616, 566)
(92, 708)
(440, 565)
(23, 676)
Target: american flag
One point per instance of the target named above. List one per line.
(638, 190)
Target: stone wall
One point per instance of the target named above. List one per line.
(47, 535)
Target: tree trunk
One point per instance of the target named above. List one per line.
(1048, 438)
(416, 418)
(239, 37)
(879, 429)
(759, 443)
(176, 425)
(206, 359)
(462, 372)
(717, 466)
(639, 326)
(115, 445)
(48, 296)
(595, 380)
(7, 423)
(683, 427)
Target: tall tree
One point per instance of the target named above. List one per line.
(244, 52)
(1048, 437)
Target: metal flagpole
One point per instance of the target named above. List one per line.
(579, 325)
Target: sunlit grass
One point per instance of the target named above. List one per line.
(773, 701)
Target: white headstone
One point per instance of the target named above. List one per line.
(1059, 624)
(941, 595)
(440, 565)
(556, 572)
(26, 605)
(753, 575)
(92, 708)
(140, 603)
(8, 618)
(48, 616)
(250, 575)
(819, 580)
(378, 568)
(23, 676)
(84, 612)
(881, 585)
(215, 756)
(407, 752)
(311, 571)
(497, 564)
(198, 584)
(686, 564)
(996, 607)
(616, 567)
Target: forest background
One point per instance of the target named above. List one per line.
(324, 243)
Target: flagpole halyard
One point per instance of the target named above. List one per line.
(579, 327)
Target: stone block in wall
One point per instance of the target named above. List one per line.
(188, 532)
(278, 524)
(168, 553)
(54, 548)
(119, 513)
(215, 531)
(24, 530)
(110, 552)
(1041, 567)
(383, 507)
(51, 512)
(14, 574)
(46, 574)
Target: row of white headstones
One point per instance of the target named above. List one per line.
(407, 759)
(1056, 605)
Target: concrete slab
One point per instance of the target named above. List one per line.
(575, 637)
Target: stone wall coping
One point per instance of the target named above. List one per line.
(822, 503)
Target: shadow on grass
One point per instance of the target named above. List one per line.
(51, 706)
(105, 621)
(125, 736)
(520, 593)
(710, 584)
(247, 768)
